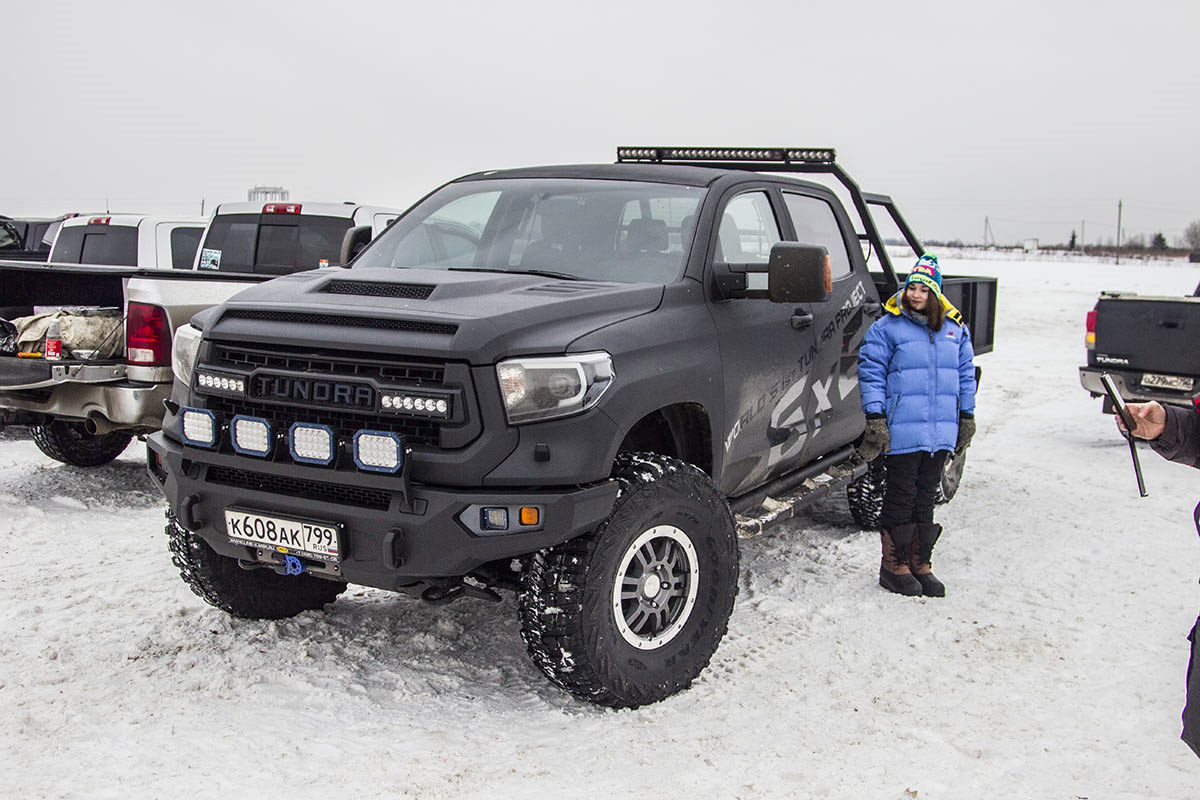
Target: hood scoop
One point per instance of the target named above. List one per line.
(402, 291)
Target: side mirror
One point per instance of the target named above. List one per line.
(354, 241)
(798, 273)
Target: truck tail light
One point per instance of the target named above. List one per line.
(148, 336)
(99, 220)
(281, 208)
(1090, 327)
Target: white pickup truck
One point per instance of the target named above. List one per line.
(84, 410)
(129, 240)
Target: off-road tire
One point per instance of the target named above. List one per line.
(568, 619)
(951, 478)
(251, 594)
(864, 495)
(69, 443)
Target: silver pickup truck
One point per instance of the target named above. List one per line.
(83, 409)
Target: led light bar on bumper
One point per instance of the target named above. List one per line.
(378, 451)
(551, 387)
(310, 444)
(198, 427)
(251, 436)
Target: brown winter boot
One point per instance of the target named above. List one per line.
(894, 574)
(924, 537)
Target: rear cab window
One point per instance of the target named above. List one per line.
(114, 245)
(272, 244)
(184, 243)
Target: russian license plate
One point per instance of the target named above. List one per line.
(1167, 382)
(317, 540)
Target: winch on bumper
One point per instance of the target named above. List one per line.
(389, 533)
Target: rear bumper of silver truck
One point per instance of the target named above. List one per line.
(80, 391)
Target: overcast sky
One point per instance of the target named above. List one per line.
(1038, 115)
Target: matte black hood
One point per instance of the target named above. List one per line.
(479, 317)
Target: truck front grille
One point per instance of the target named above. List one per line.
(415, 373)
(297, 487)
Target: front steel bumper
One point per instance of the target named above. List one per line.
(389, 539)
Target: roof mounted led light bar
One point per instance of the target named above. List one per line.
(717, 155)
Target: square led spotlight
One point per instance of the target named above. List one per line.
(251, 436)
(311, 444)
(199, 427)
(378, 451)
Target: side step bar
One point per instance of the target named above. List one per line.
(788, 496)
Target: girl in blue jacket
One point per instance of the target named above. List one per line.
(916, 373)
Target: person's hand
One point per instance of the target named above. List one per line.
(966, 432)
(876, 439)
(1151, 419)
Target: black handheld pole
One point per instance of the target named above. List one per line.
(1137, 465)
(1118, 402)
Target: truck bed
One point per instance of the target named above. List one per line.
(975, 297)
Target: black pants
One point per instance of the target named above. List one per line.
(1191, 708)
(912, 481)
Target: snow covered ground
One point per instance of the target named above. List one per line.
(1054, 668)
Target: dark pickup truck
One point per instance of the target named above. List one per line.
(24, 239)
(1148, 345)
(582, 383)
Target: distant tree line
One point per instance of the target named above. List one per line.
(1156, 242)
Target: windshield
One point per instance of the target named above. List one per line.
(596, 229)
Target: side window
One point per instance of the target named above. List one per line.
(184, 242)
(748, 230)
(815, 223)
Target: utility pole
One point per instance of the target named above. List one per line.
(1119, 204)
(1082, 238)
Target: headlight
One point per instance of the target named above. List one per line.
(184, 352)
(546, 388)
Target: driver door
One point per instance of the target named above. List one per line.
(764, 354)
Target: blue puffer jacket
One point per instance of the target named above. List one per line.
(919, 378)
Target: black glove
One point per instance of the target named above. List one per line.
(966, 432)
(876, 439)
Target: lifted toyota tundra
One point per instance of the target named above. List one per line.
(581, 383)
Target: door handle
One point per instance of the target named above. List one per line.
(801, 319)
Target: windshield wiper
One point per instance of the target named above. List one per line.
(543, 272)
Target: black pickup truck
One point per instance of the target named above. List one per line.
(582, 383)
(1147, 344)
(24, 239)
